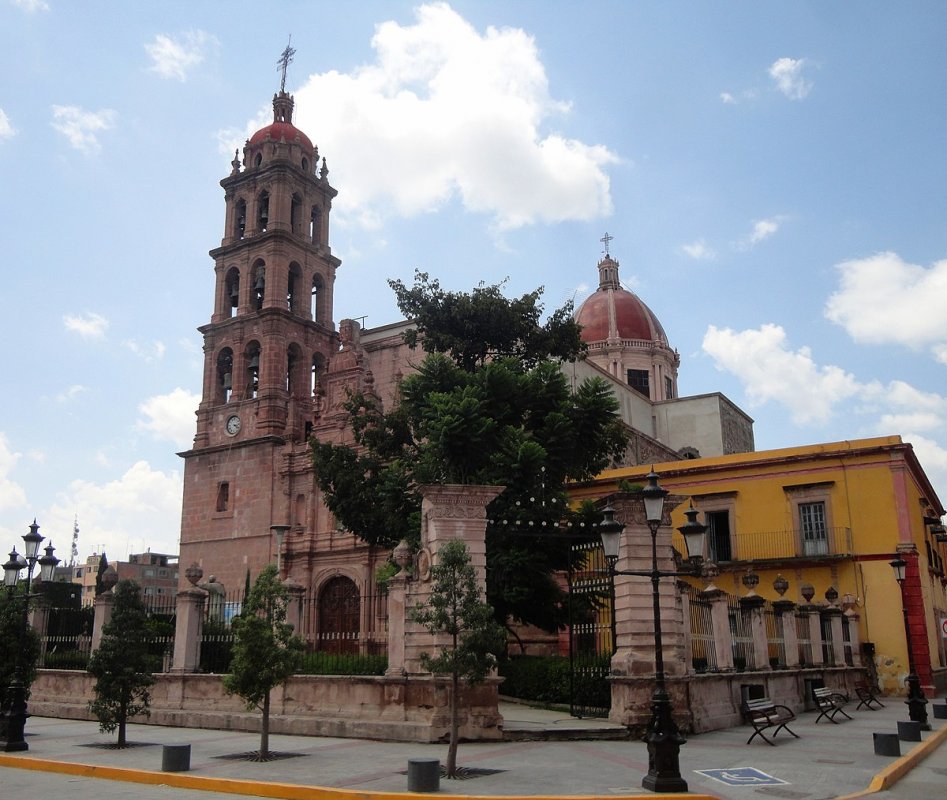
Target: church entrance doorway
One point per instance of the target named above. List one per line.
(339, 616)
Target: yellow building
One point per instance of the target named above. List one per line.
(830, 518)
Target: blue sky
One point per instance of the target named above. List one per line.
(772, 173)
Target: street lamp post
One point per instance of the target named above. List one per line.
(14, 714)
(916, 702)
(663, 737)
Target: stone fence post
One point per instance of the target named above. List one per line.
(720, 617)
(103, 604)
(753, 605)
(187, 630)
(785, 611)
(834, 615)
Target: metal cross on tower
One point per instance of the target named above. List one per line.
(606, 239)
(284, 60)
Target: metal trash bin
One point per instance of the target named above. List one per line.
(909, 731)
(887, 744)
(175, 758)
(424, 775)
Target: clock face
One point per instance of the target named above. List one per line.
(233, 425)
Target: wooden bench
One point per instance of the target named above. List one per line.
(830, 703)
(763, 714)
(867, 695)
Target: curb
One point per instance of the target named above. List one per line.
(896, 770)
(282, 791)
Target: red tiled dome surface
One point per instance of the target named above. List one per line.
(633, 318)
(281, 130)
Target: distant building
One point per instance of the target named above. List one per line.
(156, 573)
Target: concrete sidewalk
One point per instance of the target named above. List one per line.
(828, 761)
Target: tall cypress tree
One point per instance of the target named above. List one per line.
(122, 665)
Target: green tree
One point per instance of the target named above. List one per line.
(455, 608)
(265, 650)
(497, 409)
(19, 649)
(122, 665)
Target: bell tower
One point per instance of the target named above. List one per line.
(269, 339)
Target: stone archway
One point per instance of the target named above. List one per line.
(338, 619)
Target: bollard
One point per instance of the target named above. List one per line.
(175, 758)
(887, 744)
(424, 775)
(909, 731)
(940, 710)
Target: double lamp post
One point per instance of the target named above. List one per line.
(13, 715)
(663, 737)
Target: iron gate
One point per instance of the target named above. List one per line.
(591, 631)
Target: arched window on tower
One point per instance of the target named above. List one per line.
(259, 285)
(315, 225)
(295, 213)
(252, 360)
(263, 211)
(240, 218)
(317, 299)
(293, 284)
(294, 381)
(232, 291)
(318, 367)
(224, 383)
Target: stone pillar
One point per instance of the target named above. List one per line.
(448, 512)
(294, 608)
(634, 613)
(719, 614)
(786, 613)
(685, 599)
(753, 604)
(39, 621)
(854, 637)
(104, 603)
(397, 619)
(815, 633)
(187, 630)
(834, 613)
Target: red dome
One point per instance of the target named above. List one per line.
(632, 318)
(281, 130)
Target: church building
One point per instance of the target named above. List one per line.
(277, 370)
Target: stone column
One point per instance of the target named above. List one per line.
(720, 616)
(685, 599)
(834, 613)
(854, 637)
(104, 603)
(187, 630)
(294, 608)
(634, 613)
(397, 619)
(39, 622)
(448, 512)
(815, 633)
(786, 613)
(753, 603)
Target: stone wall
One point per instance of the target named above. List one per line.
(404, 709)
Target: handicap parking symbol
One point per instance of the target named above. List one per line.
(741, 776)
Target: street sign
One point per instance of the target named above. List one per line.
(741, 776)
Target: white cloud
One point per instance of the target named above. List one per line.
(12, 495)
(446, 113)
(728, 98)
(31, 6)
(147, 352)
(80, 127)
(89, 325)
(882, 299)
(170, 416)
(762, 229)
(71, 393)
(769, 370)
(175, 56)
(7, 130)
(699, 251)
(140, 509)
(787, 74)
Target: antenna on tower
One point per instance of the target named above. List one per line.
(284, 61)
(74, 553)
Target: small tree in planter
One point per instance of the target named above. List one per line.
(122, 665)
(455, 608)
(265, 650)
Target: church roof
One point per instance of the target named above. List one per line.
(281, 130)
(613, 312)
